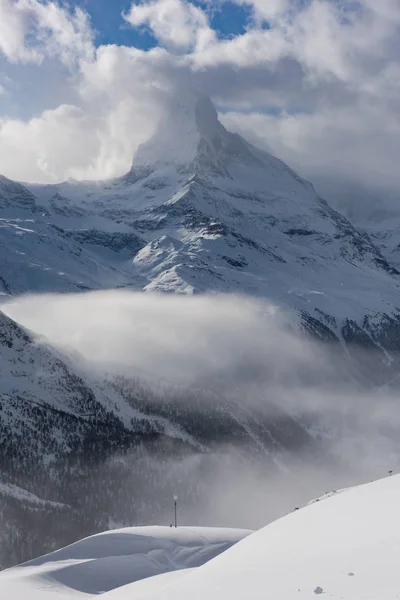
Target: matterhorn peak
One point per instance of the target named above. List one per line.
(206, 116)
(190, 140)
(177, 138)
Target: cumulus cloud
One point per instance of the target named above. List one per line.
(40, 149)
(72, 142)
(316, 82)
(31, 30)
(177, 24)
(267, 10)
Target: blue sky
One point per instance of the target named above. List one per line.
(228, 20)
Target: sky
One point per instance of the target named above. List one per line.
(316, 82)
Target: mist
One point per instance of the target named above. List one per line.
(252, 353)
(227, 340)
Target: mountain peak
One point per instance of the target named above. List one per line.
(206, 116)
(177, 138)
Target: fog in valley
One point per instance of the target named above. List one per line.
(254, 355)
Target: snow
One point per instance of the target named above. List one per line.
(9, 489)
(345, 547)
(156, 586)
(163, 149)
(112, 559)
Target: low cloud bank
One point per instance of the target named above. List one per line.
(248, 350)
(175, 337)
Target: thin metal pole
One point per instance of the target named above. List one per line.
(176, 521)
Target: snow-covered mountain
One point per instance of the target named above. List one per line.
(202, 210)
(371, 209)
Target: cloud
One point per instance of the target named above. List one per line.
(96, 137)
(31, 30)
(168, 336)
(71, 142)
(266, 11)
(316, 82)
(314, 143)
(239, 346)
(41, 142)
(12, 31)
(177, 24)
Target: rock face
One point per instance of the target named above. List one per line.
(14, 195)
(201, 210)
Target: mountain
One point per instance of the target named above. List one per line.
(202, 210)
(372, 209)
(37, 255)
(80, 452)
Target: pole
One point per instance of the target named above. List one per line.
(175, 502)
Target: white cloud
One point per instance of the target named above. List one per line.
(71, 142)
(347, 143)
(176, 24)
(13, 29)
(237, 345)
(42, 144)
(175, 337)
(31, 30)
(320, 85)
(266, 9)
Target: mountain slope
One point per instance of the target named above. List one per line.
(36, 255)
(79, 451)
(344, 547)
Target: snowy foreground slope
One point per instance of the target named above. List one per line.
(107, 561)
(343, 547)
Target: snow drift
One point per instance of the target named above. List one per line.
(344, 547)
(106, 561)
